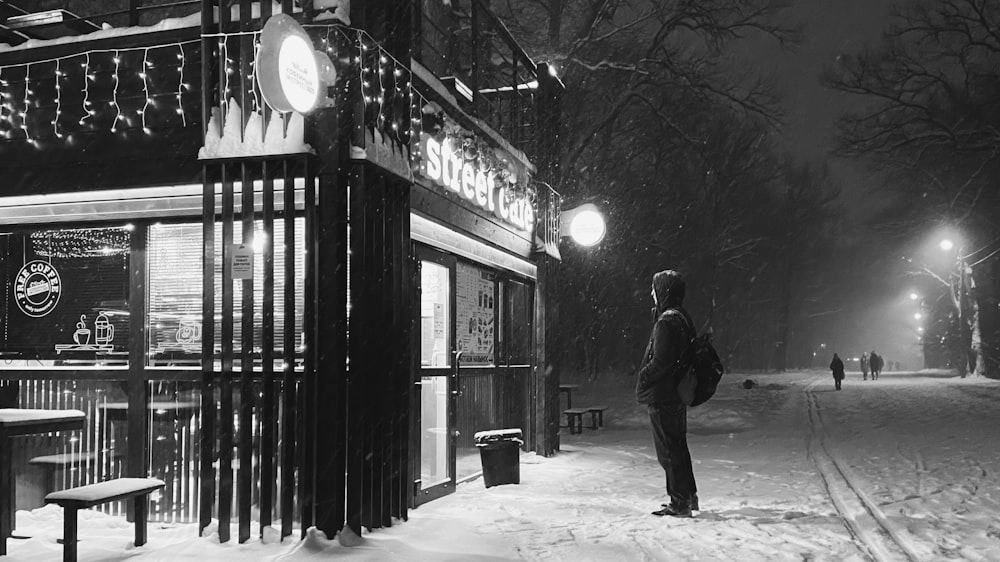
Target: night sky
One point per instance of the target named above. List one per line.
(876, 316)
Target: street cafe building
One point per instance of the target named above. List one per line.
(287, 261)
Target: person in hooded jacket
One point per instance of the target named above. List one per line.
(656, 386)
(837, 366)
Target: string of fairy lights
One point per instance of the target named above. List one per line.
(392, 105)
(19, 115)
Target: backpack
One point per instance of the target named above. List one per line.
(702, 370)
(700, 366)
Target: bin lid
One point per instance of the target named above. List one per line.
(496, 435)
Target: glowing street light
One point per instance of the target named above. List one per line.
(917, 316)
(946, 245)
(584, 224)
(914, 296)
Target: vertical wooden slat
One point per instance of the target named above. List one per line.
(138, 389)
(356, 373)
(267, 353)
(208, 412)
(288, 351)
(388, 367)
(226, 386)
(245, 475)
(307, 484)
(331, 328)
(409, 359)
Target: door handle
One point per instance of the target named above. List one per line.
(457, 389)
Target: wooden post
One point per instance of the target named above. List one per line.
(69, 534)
(137, 447)
(208, 410)
(141, 508)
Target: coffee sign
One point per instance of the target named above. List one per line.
(37, 288)
(447, 166)
(291, 74)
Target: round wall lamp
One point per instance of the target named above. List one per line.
(584, 224)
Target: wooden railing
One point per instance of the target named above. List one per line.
(464, 44)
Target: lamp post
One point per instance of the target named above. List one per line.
(967, 311)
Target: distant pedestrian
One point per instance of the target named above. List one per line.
(656, 386)
(837, 366)
(864, 366)
(875, 363)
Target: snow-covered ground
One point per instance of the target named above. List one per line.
(903, 468)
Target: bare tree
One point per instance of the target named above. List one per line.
(933, 117)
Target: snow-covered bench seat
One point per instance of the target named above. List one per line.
(596, 416)
(83, 497)
(574, 417)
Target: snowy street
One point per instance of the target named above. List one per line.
(903, 468)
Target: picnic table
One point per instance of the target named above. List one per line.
(568, 389)
(17, 422)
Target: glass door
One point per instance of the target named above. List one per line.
(435, 424)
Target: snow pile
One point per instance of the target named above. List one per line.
(193, 20)
(232, 142)
(900, 468)
(339, 10)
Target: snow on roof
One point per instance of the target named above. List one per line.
(193, 20)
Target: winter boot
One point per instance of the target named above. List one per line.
(674, 510)
(694, 503)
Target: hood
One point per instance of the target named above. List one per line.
(669, 287)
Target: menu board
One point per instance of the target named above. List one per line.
(475, 314)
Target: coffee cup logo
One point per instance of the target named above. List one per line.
(189, 332)
(37, 288)
(82, 333)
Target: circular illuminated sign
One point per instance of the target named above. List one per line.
(587, 227)
(37, 288)
(291, 74)
(298, 73)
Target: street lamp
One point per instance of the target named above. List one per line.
(917, 316)
(914, 296)
(967, 310)
(584, 224)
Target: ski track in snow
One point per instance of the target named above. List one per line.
(903, 468)
(861, 515)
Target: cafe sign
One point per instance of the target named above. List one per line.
(446, 165)
(292, 75)
(37, 288)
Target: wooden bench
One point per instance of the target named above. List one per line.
(83, 497)
(596, 416)
(574, 418)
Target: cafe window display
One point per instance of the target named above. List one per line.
(66, 295)
(175, 300)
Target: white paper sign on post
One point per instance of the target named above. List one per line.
(242, 261)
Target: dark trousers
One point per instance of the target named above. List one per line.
(669, 423)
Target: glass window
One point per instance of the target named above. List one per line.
(475, 314)
(434, 315)
(175, 285)
(66, 297)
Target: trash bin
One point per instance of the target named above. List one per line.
(500, 453)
